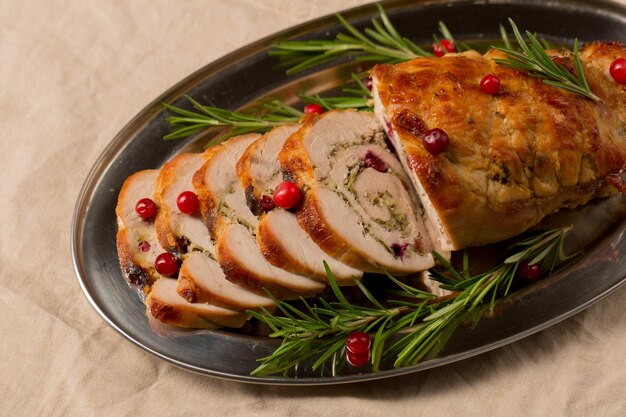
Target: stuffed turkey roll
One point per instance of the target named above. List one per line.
(488, 167)
(359, 205)
(282, 240)
(138, 248)
(137, 243)
(181, 228)
(232, 225)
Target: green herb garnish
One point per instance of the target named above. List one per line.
(380, 44)
(410, 329)
(534, 60)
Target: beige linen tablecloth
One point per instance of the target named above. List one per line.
(72, 73)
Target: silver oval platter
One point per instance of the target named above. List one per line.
(249, 75)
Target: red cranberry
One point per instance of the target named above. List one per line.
(490, 84)
(187, 202)
(447, 44)
(287, 195)
(166, 264)
(358, 342)
(266, 203)
(618, 70)
(399, 249)
(146, 208)
(529, 272)
(436, 141)
(144, 246)
(373, 161)
(389, 128)
(313, 108)
(369, 84)
(357, 359)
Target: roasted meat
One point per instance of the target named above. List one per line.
(282, 240)
(232, 226)
(513, 157)
(200, 279)
(359, 204)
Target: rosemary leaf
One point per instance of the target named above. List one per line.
(534, 60)
(416, 327)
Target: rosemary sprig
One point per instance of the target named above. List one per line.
(357, 97)
(534, 60)
(186, 122)
(274, 113)
(381, 44)
(418, 324)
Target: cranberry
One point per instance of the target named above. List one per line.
(529, 272)
(146, 208)
(358, 359)
(618, 70)
(166, 264)
(267, 204)
(490, 84)
(389, 128)
(436, 141)
(358, 342)
(373, 161)
(399, 249)
(287, 195)
(369, 84)
(187, 202)
(447, 44)
(313, 108)
(144, 246)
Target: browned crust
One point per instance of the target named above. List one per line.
(271, 248)
(124, 190)
(131, 271)
(234, 270)
(174, 315)
(312, 220)
(188, 289)
(208, 203)
(244, 163)
(538, 147)
(241, 275)
(295, 164)
(275, 254)
(293, 159)
(163, 223)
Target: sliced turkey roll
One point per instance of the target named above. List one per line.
(282, 240)
(200, 278)
(512, 157)
(138, 248)
(359, 204)
(137, 244)
(165, 305)
(176, 230)
(232, 225)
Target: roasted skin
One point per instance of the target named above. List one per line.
(514, 157)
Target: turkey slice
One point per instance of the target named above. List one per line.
(176, 230)
(165, 305)
(200, 278)
(282, 240)
(137, 243)
(233, 225)
(359, 205)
